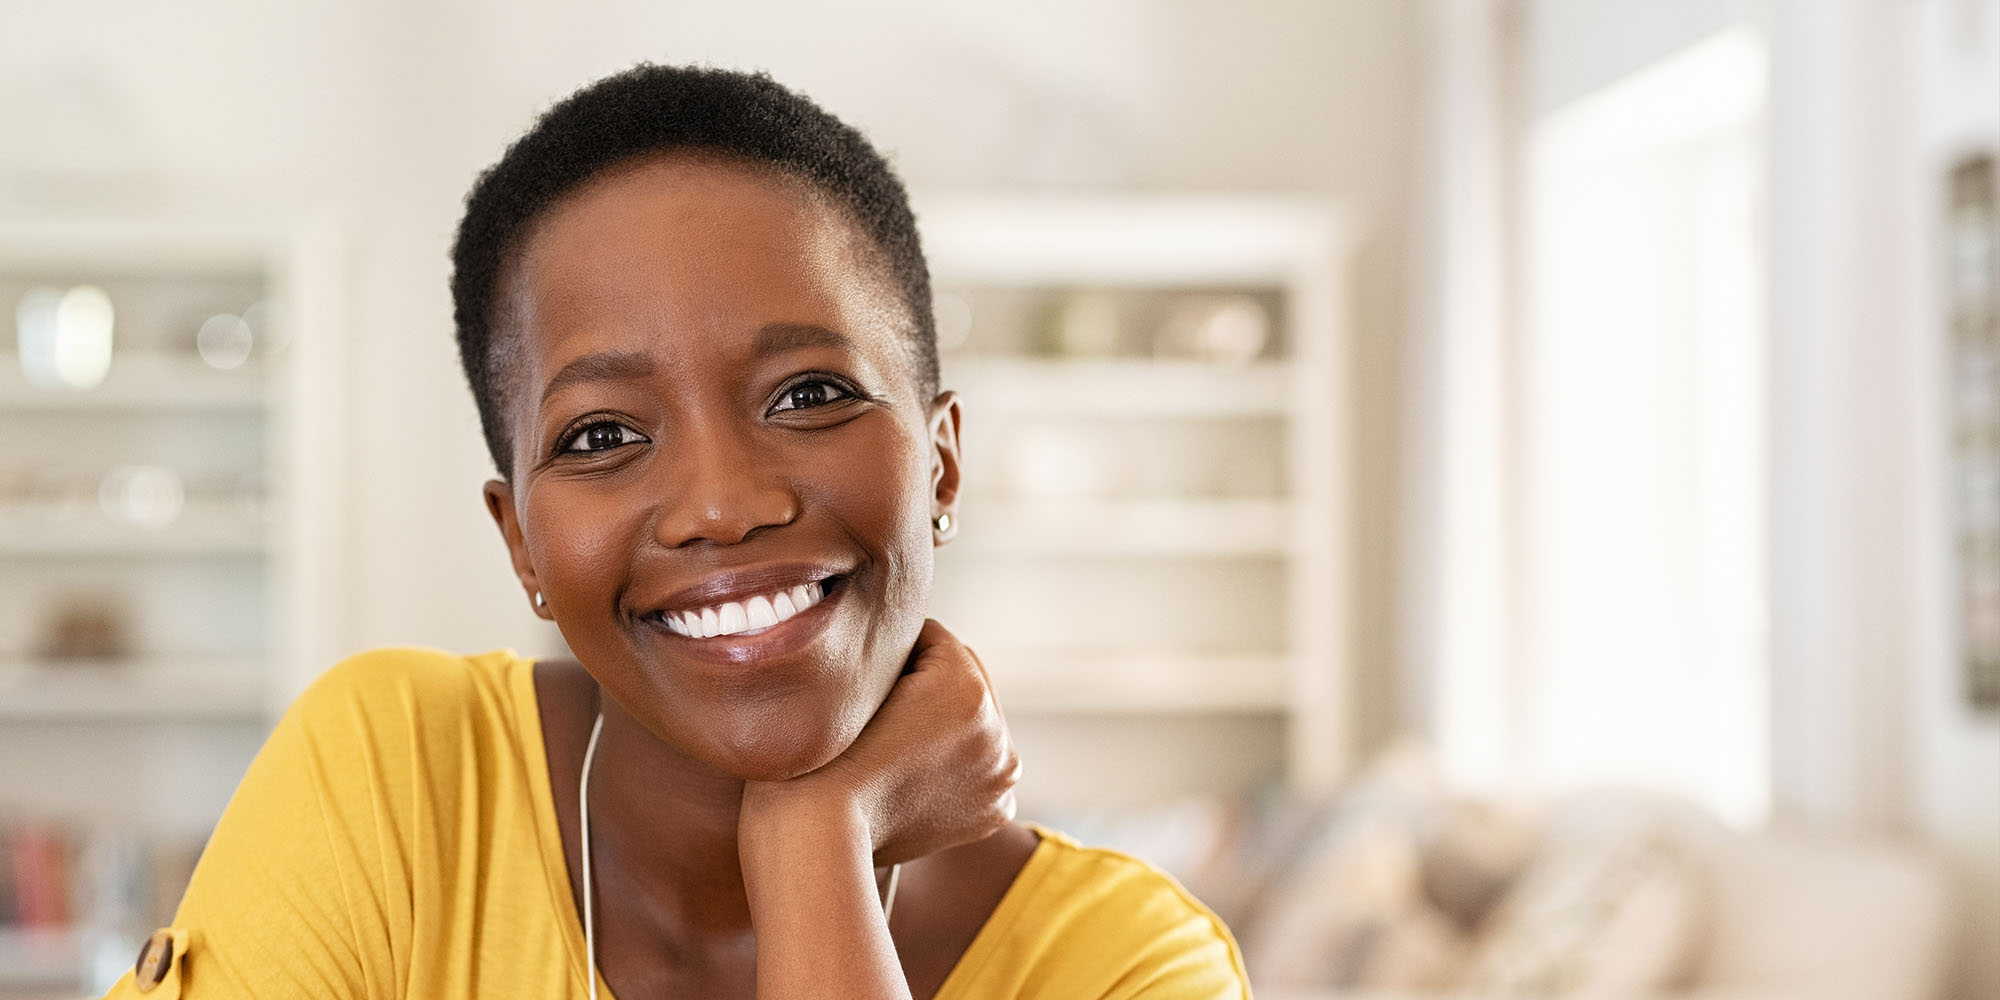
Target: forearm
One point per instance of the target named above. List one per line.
(811, 880)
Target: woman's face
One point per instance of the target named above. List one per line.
(725, 478)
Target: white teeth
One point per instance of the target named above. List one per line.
(732, 617)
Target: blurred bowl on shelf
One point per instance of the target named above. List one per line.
(1087, 325)
(1231, 330)
(149, 496)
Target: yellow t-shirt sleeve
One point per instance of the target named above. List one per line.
(304, 889)
(1085, 923)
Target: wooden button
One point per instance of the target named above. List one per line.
(155, 960)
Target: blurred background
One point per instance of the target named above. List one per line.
(1502, 497)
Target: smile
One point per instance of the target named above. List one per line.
(744, 617)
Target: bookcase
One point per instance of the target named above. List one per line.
(170, 462)
(1152, 535)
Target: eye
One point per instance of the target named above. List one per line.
(810, 393)
(601, 436)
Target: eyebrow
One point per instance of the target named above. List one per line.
(603, 366)
(777, 338)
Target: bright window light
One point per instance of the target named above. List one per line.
(1643, 648)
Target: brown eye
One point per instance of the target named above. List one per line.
(602, 436)
(806, 395)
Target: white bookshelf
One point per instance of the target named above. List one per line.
(217, 598)
(133, 691)
(1150, 557)
(140, 382)
(1136, 528)
(1107, 387)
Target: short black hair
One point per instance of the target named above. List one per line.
(649, 110)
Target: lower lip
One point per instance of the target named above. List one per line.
(774, 641)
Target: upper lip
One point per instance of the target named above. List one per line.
(740, 584)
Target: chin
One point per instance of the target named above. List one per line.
(778, 749)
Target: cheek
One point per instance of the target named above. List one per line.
(879, 490)
(874, 488)
(572, 535)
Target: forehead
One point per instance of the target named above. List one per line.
(691, 254)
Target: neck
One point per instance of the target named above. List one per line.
(664, 831)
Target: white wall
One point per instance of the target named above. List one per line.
(1953, 51)
(1870, 101)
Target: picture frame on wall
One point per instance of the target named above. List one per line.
(1972, 230)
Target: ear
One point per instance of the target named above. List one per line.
(500, 503)
(945, 465)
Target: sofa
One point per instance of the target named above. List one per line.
(1398, 889)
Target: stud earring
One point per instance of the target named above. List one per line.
(944, 522)
(539, 602)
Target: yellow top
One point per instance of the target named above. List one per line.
(396, 837)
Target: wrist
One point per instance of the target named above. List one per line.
(776, 820)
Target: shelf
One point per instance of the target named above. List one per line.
(1138, 684)
(1139, 239)
(1121, 387)
(212, 529)
(142, 383)
(1131, 528)
(159, 690)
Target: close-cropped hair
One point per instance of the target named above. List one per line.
(651, 110)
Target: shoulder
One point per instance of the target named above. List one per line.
(396, 671)
(367, 719)
(1088, 884)
(1107, 924)
(411, 682)
(377, 812)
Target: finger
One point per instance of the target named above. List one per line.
(935, 640)
(933, 647)
(980, 665)
(936, 644)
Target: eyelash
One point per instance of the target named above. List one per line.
(575, 431)
(846, 390)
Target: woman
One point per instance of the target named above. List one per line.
(694, 314)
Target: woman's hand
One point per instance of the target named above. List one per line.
(935, 767)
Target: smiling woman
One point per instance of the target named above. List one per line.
(695, 315)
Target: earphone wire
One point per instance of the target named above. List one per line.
(583, 835)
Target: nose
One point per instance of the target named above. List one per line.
(719, 486)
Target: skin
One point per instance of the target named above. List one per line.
(763, 426)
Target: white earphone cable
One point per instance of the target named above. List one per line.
(583, 833)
